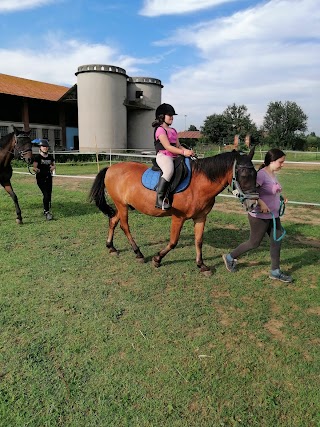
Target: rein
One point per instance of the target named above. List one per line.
(281, 212)
(30, 171)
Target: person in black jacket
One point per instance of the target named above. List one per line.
(44, 166)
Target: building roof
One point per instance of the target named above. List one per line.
(190, 134)
(18, 86)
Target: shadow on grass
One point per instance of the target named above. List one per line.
(71, 209)
(226, 240)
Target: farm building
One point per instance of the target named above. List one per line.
(105, 109)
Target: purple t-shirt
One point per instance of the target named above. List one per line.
(269, 191)
(172, 136)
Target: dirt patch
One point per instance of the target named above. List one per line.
(296, 214)
(308, 241)
(74, 183)
(314, 310)
(274, 328)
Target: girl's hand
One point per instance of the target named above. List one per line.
(36, 170)
(188, 153)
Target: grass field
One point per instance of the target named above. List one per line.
(88, 339)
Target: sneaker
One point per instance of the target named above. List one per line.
(230, 265)
(49, 216)
(278, 275)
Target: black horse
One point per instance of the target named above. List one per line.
(16, 144)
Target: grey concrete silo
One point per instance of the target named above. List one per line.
(102, 114)
(144, 96)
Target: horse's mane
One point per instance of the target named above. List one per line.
(216, 166)
(5, 139)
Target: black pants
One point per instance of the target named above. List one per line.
(258, 228)
(45, 184)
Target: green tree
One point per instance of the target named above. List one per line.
(192, 128)
(312, 142)
(239, 121)
(284, 123)
(235, 120)
(215, 129)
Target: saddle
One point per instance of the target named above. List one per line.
(179, 181)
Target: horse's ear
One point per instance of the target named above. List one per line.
(251, 153)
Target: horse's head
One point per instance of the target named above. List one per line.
(22, 145)
(244, 179)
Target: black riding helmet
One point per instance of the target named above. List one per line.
(164, 109)
(43, 143)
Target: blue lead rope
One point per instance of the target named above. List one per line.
(281, 212)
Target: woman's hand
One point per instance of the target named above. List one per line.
(263, 207)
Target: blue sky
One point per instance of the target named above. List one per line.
(208, 53)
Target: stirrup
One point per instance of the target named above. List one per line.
(167, 202)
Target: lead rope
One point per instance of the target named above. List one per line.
(281, 212)
(30, 171)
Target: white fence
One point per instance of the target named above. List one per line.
(113, 154)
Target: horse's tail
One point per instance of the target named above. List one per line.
(97, 194)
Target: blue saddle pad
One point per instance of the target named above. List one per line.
(150, 178)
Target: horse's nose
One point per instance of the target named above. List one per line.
(250, 204)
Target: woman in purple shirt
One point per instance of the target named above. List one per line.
(261, 219)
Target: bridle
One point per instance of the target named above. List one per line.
(236, 189)
(20, 154)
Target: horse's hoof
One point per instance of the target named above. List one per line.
(155, 262)
(19, 221)
(140, 259)
(113, 252)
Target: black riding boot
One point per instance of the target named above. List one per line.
(162, 202)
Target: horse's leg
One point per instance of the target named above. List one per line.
(198, 239)
(14, 197)
(123, 216)
(113, 222)
(176, 226)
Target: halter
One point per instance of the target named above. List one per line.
(236, 189)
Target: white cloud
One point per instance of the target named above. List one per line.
(58, 59)
(15, 5)
(153, 8)
(266, 53)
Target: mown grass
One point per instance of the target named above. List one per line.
(88, 339)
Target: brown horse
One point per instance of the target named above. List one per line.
(209, 177)
(16, 144)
